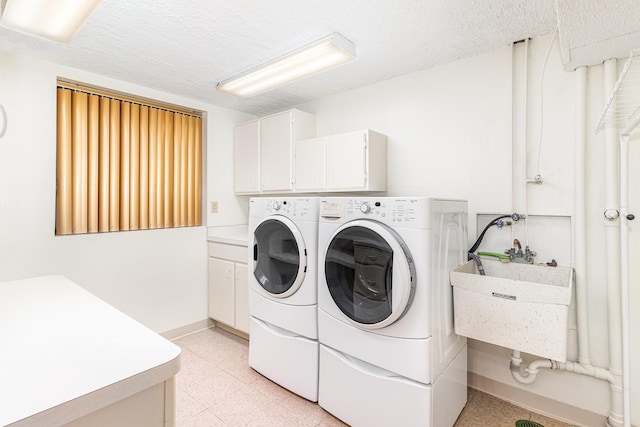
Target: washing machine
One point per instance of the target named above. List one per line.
(388, 351)
(283, 338)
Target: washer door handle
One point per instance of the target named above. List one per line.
(255, 251)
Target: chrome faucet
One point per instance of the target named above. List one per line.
(516, 254)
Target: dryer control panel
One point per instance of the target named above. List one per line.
(410, 212)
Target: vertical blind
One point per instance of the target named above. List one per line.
(125, 165)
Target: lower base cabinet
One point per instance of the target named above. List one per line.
(228, 300)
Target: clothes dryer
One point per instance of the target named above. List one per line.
(283, 339)
(388, 351)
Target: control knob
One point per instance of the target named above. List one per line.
(276, 206)
(365, 208)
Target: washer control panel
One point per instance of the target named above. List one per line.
(299, 208)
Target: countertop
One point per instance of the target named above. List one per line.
(66, 353)
(229, 234)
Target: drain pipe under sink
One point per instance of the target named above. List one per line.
(531, 371)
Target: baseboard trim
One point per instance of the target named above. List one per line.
(536, 403)
(231, 330)
(187, 329)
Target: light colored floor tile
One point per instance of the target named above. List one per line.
(270, 389)
(204, 419)
(186, 407)
(238, 366)
(207, 383)
(216, 387)
(305, 413)
(190, 363)
(224, 350)
(484, 410)
(330, 421)
(252, 409)
(211, 342)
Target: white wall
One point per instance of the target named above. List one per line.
(232, 209)
(450, 134)
(158, 277)
(446, 129)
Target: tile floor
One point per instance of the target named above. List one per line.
(216, 387)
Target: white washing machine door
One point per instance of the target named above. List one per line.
(279, 256)
(369, 273)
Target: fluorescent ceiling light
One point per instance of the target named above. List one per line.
(322, 55)
(57, 20)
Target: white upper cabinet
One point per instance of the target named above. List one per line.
(310, 169)
(355, 161)
(271, 140)
(246, 157)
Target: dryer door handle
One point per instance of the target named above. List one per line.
(255, 251)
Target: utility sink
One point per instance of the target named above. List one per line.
(519, 306)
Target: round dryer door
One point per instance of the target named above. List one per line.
(370, 273)
(279, 256)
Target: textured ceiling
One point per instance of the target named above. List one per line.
(596, 30)
(186, 47)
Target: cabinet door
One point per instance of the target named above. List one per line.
(310, 167)
(346, 161)
(222, 291)
(246, 158)
(242, 297)
(275, 152)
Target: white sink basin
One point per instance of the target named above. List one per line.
(518, 306)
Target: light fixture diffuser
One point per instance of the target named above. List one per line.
(57, 20)
(325, 54)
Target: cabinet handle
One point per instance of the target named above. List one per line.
(229, 272)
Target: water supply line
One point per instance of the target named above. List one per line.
(521, 132)
(537, 179)
(519, 126)
(497, 222)
(525, 157)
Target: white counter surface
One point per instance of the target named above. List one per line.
(65, 353)
(230, 234)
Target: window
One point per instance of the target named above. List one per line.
(125, 163)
